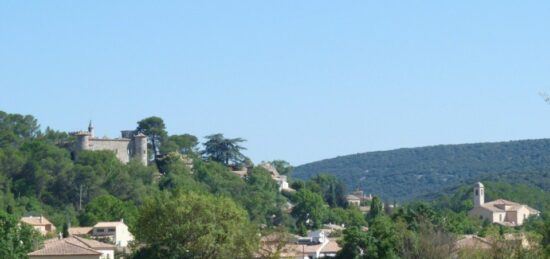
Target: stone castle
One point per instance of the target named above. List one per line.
(131, 145)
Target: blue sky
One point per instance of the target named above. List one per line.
(300, 80)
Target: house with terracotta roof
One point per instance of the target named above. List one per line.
(40, 223)
(74, 248)
(116, 231)
(500, 211)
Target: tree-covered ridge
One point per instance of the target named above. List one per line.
(404, 174)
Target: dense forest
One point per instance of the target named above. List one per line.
(406, 174)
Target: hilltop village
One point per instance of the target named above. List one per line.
(149, 194)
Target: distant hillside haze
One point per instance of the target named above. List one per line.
(409, 173)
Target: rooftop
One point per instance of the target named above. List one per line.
(79, 230)
(36, 221)
(109, 224)
(71, 246)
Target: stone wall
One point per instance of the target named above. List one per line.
(119, 146)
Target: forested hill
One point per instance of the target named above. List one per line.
(408, 173)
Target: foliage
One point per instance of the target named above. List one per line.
(16, 240)
(155, 130)
(222, 150)
(376, 209)
(382, 239)
(108, 208)
(353, 244)
(194, 226)
(405, 174)
(183, 144)
(310, 210)
(348, 217)
(332, 189)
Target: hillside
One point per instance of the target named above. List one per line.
(408, 173)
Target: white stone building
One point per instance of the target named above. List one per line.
(116, 231)
(500, 211)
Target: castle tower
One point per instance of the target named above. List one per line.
(82, 140)
(479, 194)
(140, 148)
(91, 129)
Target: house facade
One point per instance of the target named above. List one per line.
(40, 223)
(353, 200)
(500, 211)
(116, 231)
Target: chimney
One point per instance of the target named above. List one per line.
(60, 236)
(122, 220)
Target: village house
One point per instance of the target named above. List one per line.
(74, 248)
(500, 211)
(353, 200)
(40, 223)
(116, 231)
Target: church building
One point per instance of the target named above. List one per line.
(500, 211)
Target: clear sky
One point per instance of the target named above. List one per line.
(300, 80)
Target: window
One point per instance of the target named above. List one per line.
(500, 218)
(100, 230)
(111, 230)
(477, 192)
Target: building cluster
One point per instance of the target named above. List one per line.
(82, 242)
(357, 198)
(281, 180)
(500, 211)
(316, 244)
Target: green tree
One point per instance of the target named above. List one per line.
(223, 150)
(16, 240)
(376, 209)
(14, 128)
(351, 216)
(331, 188)
(353, 244)
(190, 225)
(108, 208)
(310, 210)
(383, 239)
(262, 198)
(183, 144)
(155, 130)
(65, 230)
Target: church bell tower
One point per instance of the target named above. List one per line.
(479, 194)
